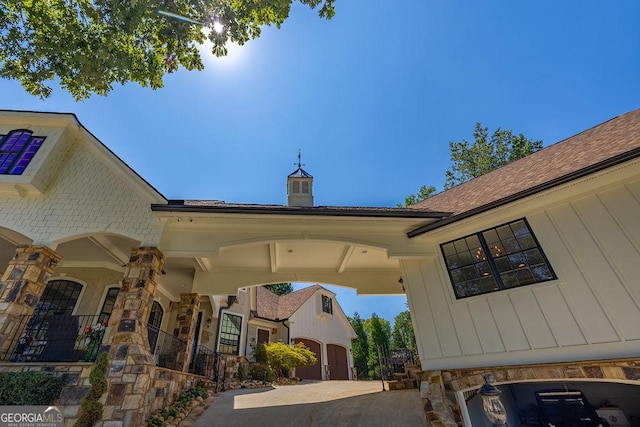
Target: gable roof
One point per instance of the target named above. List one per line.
(280, 307)
(70, 118)
(607, 144)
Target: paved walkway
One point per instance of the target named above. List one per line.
(322, 403)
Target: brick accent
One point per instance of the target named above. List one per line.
(22, 284)
(438, 388)
(186, 325)
(131, 371)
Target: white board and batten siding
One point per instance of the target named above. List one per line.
(592, 311)
(309, 322)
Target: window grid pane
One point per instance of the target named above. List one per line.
(230, 334)
(59, 297)
(109, 303)
(327, 305)
(17, 150)
(515, 260)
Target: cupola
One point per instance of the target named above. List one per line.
(300, 187)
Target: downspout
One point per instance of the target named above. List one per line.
(288, 332)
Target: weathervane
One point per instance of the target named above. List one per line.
(299, 164)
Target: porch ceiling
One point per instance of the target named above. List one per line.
(233, 251)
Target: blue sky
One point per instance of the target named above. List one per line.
(372, 99)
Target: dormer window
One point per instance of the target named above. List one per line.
(16, 151)
(327, 305)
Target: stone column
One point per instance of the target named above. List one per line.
(21, 286)
(186, 325)
(131, 367)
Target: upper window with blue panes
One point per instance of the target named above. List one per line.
(17, 148)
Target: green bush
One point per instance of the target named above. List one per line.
(183, 401)
(242, 372)
(91, 407)
(261, 372)
(283, 356)
(260, 353)
(29, 388)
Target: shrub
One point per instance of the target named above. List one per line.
(183, 401)
(91, 407)
(29, 388)
(283, 356)
(242, 372)
(261, 372)
(260, 353)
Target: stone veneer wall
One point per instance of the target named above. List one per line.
(229, 365)
(438, 388)
(76, 383)
(170, 384)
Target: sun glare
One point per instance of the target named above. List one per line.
(234, 52)
(218, 27)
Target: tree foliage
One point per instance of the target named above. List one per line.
(280, 288)
(486, 154)
(423, 193)
(283, 356)
(89, 45)
(360, 346)
(379, 333)
(402, 335)
(471, 160)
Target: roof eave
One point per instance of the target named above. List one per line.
(597, 167)
(174, 206)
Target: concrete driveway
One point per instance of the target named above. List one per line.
(321, 403)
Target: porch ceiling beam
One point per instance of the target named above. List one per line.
(110, 249)
(366, 282)
(273, 256)
(346, 256)
(204, 264)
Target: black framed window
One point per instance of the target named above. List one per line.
(59, 297)
(230, 329)
(327, 304)
(108, 304)
(16, 151)
(502, 257)
(153, 325)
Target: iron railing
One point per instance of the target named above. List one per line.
(204, 362)
(165, 347)
(77, 338)
(55, 338)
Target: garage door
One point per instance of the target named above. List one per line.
(313, 372)
(337, 357)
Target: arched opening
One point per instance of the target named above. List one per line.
(337, 362)
(313, 372)
(59, 298)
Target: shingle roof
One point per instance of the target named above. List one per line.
(300, 173)
(211, 206)
(583, 152)
(273, 307)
